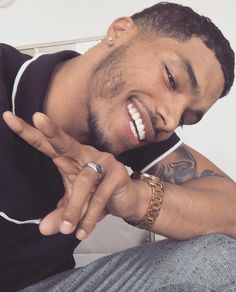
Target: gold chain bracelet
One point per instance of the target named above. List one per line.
(154, 207)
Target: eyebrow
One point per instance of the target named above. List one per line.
(192, 77)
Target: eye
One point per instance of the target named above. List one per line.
(170, 78)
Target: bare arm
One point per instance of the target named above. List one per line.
(199, 198)
(185, 164)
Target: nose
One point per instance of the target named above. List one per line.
(169, 116)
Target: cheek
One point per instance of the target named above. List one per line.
(145, 77)
(111, 88)
(105, 110)
(107, 83)
(111, 118)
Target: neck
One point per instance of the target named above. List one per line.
(67, 100)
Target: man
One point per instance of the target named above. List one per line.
(152, 73)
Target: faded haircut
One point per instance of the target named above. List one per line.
(181, 23)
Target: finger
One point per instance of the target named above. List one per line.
(79, 197)
(68, 181)
(28, 133)
(81, 234)
(51, 223)
(63, 144)
(96, 208)
(111, 184)
(61, 202)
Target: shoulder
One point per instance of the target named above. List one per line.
(12, 56)
(184, 164)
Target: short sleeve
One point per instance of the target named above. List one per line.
(140, 157)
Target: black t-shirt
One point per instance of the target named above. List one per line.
(30, 184)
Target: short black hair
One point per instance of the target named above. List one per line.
(182, 23)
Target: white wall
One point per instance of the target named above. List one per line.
(36, 21)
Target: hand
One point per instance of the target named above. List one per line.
(85, 202)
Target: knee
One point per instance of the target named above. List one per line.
(209, 260)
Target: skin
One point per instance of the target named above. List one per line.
(200, 197)
(135, 80)
(159, 84)
(151, 89)
(183, 168)
(198, 205)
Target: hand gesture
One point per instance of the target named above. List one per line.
(87, 199)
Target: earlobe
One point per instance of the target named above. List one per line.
(109, 40)
(120, 30)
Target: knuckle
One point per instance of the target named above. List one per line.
(109, 160)
(72, 213)
(108, 157)
(84, 177)
(36, 143)
(98, 199)
(62, 149)
(90, 149)
(88, 222)
(120, 168)
(120, 175)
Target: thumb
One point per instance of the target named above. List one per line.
(51, 223)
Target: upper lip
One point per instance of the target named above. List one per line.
(148, 124)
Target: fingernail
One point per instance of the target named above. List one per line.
(81, 234)
(41, 114)
(66, 227)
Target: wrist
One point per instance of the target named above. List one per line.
(156, 185)
(142, 196)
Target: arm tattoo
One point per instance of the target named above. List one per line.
(182, 170)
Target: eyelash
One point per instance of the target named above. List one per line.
(170, 78)
(173, 86)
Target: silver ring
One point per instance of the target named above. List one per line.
(97, 168)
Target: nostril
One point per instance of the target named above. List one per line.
(163, 120)
(167, 123)
(166, 118)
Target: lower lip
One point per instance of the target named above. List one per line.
(129, 134)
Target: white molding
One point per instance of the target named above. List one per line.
(60, 43)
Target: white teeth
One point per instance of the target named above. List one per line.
(132, 110)
(142, 135)
(136, 117)
(133, 129)
(138, 121)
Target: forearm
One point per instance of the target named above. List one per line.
(198, 198)
(203, 206)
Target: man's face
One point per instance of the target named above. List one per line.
(142, 91)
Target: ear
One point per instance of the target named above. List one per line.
(120, 31)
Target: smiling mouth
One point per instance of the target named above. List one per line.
(136, 123)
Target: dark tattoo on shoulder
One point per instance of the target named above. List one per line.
(181, 170)
(209, 172)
